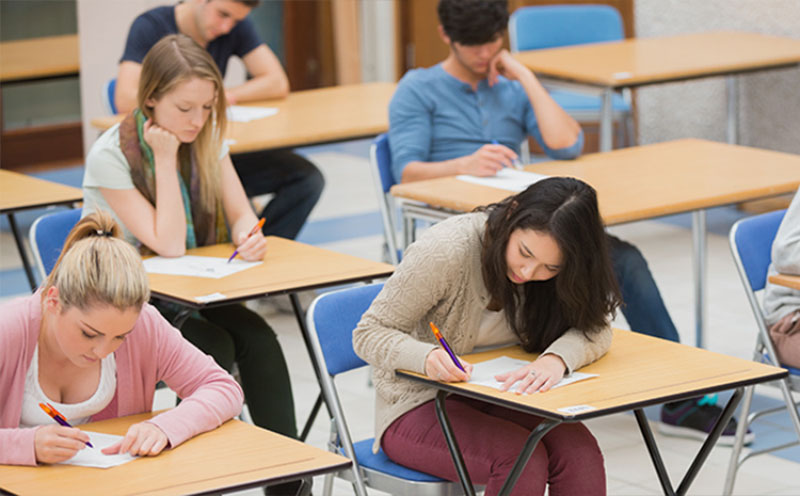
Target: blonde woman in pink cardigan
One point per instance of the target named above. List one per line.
(88, 343)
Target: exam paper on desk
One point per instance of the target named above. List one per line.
(508, 179)
(195, 266)
(94, 457)
(483, 373)
(238, 113)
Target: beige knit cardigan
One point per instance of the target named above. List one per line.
(439, 280)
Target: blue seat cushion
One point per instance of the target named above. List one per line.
(578, 101)
(381, 463)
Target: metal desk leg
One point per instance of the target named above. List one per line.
(699, 263)
(606, 121)
(26, 264)
(701, 456)
(463, 474)
(301, 321)
(732, 90)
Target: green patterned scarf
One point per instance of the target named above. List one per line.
(202, 227)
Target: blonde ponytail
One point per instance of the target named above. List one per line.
(96, 266)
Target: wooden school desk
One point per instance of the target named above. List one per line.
(638, 371)
(288, 267)
(323, 115)
(39, 58)
(787, 280)
(21, 192)
(635, 184)
(607, 67)
(233, 457)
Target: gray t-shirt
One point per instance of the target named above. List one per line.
(107, 167)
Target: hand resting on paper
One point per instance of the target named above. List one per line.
(439, 366)
(142, 439)
(56, 443)
(540, 375)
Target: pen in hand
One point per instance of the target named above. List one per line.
(446, 346)
(55, 415)
(255, 229)
(515, 162)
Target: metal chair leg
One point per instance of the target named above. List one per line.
(738, 444)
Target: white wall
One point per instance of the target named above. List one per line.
(769, 105)
(102, 29)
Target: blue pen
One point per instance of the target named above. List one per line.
(516, 163)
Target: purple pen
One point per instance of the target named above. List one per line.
(56, 415)
(446, 346)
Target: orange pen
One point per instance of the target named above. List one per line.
(256, 228)
(50, 410)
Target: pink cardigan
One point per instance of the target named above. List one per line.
(154, 351)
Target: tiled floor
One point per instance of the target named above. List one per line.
(347, 220)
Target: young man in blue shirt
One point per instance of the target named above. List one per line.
(469, 114)
(222, 28)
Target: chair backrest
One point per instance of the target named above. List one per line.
(332, 317)
(532, 28)
(47, 236)
(751, 244)
(381, 164)
(109, 90)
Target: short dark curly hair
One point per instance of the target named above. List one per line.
(473, 22)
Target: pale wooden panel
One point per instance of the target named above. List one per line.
(233, 455)
(790, 281)
(643, 182)
(39, 57)
(637, 369)
(650, 60)
(288, 266)
(18, 191)
(308, 117)
(346, 42)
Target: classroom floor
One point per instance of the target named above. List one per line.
(347, 220)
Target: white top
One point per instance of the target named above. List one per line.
(107, 167)
(493, 330)
(75, 413)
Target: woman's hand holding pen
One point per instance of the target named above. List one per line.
(163, 143)
(488, 160)
(56, 443)
(439, 366)
(142, 439)
(251, 248)
(540, 375)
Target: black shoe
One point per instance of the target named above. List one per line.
(695, 418)
(300, 487)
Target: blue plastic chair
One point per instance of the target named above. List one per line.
(380, 158)
(751, 245)
(47, 236)
(331, 319)
(109, 90)
(535, 28)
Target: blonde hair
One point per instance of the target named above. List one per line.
(176, 59)
(97, 266)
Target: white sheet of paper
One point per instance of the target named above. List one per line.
(93, 457)
(192, 265)
(483, 373)
(508, 179)
(239, 113)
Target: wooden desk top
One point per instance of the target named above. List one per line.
(288, 266)
(20, 192)
(234, 456)
(38, 58)
(643, 182)
(640, 61)
(637, 371)
(787, 280)
(308, 117)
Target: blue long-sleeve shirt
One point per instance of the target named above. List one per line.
(435, 117)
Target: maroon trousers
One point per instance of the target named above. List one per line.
(490, 438)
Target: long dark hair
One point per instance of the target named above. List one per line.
(583, 294)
